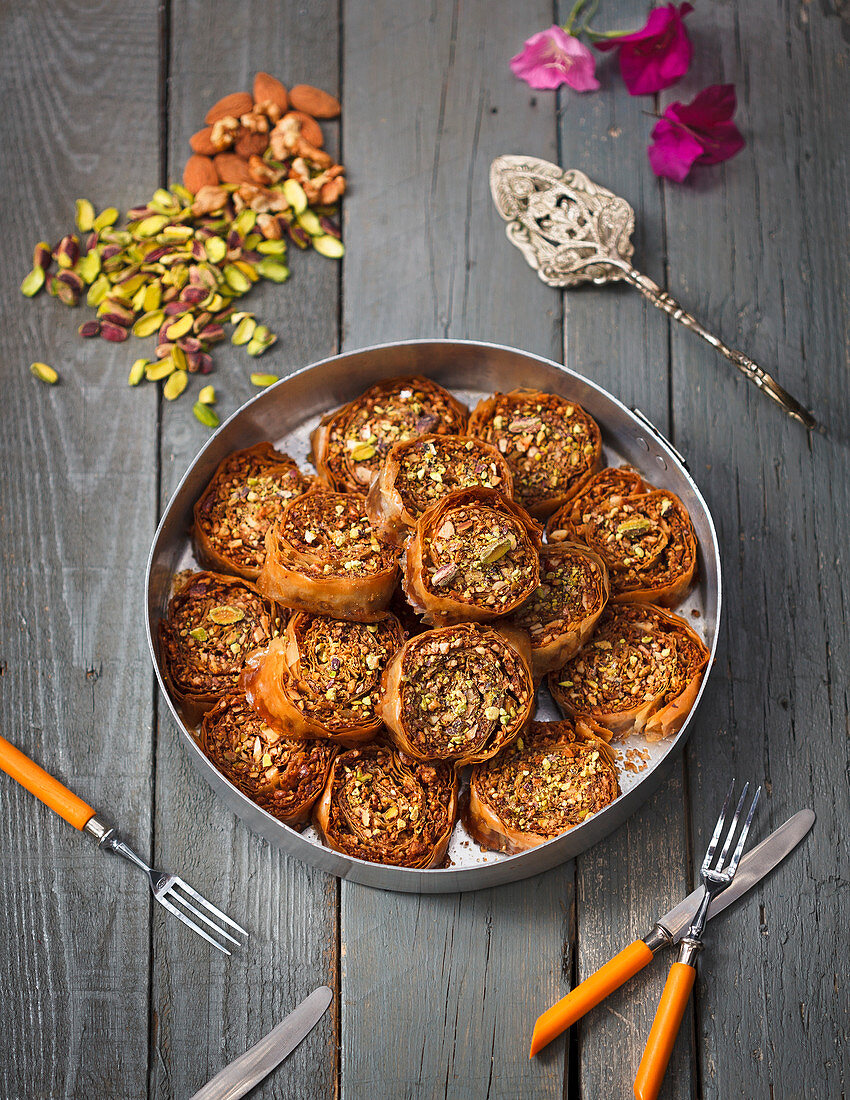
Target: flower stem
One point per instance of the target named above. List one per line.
(588, 15)
(604, 34)
(571, 18)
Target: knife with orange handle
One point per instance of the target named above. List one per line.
(668, 930)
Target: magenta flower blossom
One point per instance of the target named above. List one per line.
(553, 57)
(699, 132)
(656, 56)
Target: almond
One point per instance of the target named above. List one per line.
(199, 172)
(251, 145)
(310, 129)
(268, 89)
(313, 101)
(238, 103)
(231, 169)
(202, 142)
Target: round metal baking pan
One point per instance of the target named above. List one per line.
(285, 413)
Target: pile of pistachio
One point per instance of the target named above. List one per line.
(175, 270)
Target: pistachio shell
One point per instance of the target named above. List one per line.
(98, 291)
(271, 248)
(492, 551)
(245, 222)
(44, 373)
(207, 416)
(149, 227)
(237, 279)
(157, 371)
(216, 249)
(85, 216)
(175, 385)
(271, 269)
(179, 357)
(105, 218)
(33, 282)
(137, 372)
(295, 196)
(153, 297)
(225, 615)
(329, 246)
(180, 327)
(243, 331)
(248, 270)
(88, 268)
(148, 323)
(310, 222)
(182, 193)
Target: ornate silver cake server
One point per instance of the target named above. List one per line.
(573, 231)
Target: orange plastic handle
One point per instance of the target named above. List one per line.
(665, 1028)
(36, 780)
(587, 995)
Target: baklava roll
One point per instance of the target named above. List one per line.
(548, 781)
(645, 537)
(282, 775)
(322, 556)
(459, 693)
(564, 608)
(640, 673)
(381, 806)
(213, 622)
(243, 499)
(552, 445)
(323, 677)
(350, 444)
(473, 556)
(420, 471)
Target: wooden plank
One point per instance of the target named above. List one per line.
(758, 247)
(77, 499)
(439, 993)
(620, 341)
(207, 1010)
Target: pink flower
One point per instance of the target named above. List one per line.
(699, 132)
(553, 57)
(656, 56)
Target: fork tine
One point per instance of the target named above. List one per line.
(210, 923)
(189, 923)
(730, 836)
(733, 866)
(222, 916)
(718, 829)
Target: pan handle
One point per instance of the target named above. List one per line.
(659, 437)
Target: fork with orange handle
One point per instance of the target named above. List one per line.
(171, 892)
(714, 879)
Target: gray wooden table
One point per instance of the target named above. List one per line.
(435, 996)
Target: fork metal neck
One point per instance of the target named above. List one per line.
(106, 837)
(698, 923)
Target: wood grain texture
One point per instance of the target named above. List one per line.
(207, 1010)
(77, 503)
(435, 995)
(772, 1007)
(439, 993)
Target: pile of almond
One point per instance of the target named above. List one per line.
(254, 142)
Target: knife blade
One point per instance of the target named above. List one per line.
(752, 869)
(256, 1063)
